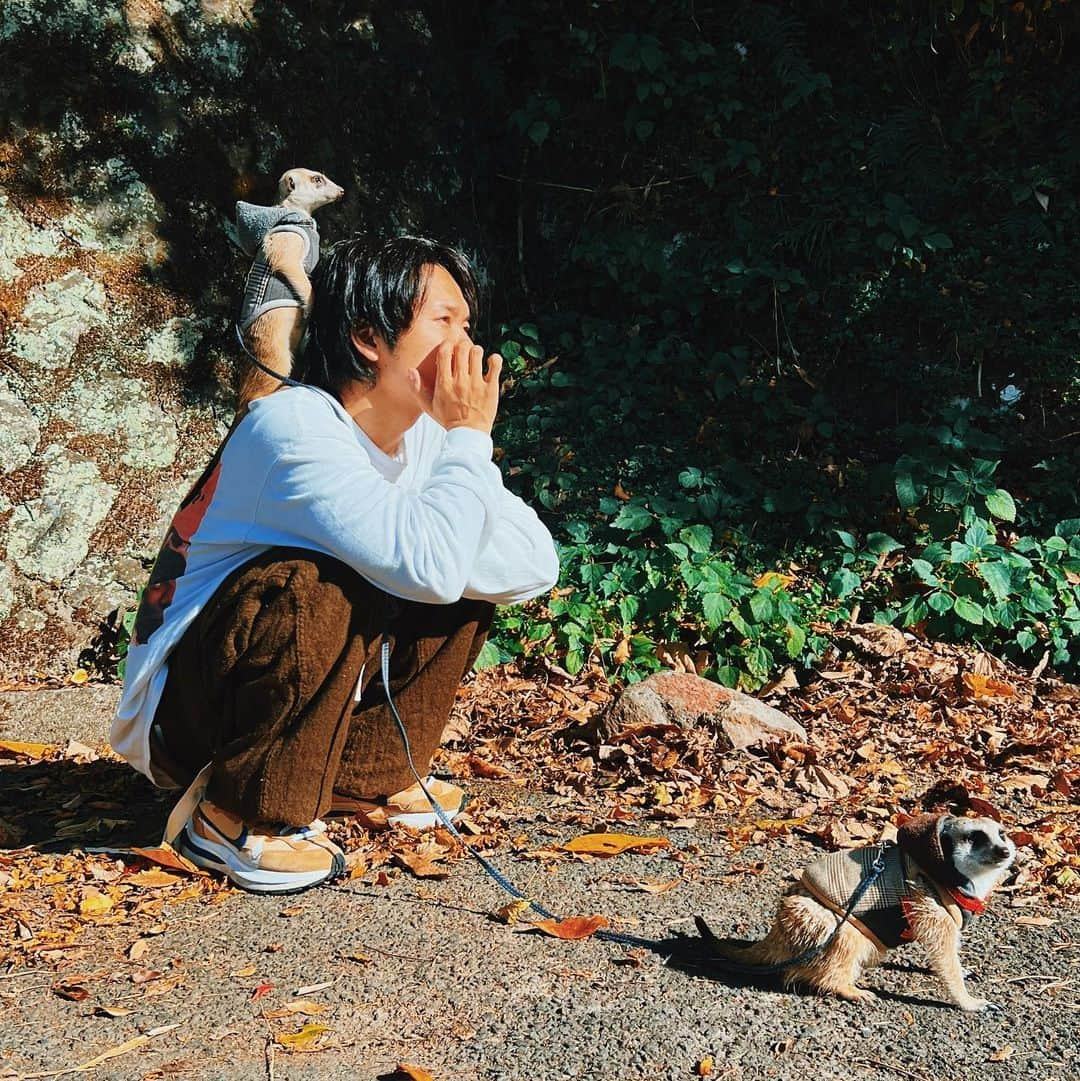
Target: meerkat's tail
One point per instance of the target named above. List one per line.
(773, 949)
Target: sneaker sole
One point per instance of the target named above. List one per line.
(214, 857)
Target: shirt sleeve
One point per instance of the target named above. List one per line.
(518, 561)
(418, 543)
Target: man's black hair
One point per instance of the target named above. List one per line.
(359, 286)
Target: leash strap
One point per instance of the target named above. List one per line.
(877, 868)
(259, 364)
(492, 871)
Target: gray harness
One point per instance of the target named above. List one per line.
(263, 289)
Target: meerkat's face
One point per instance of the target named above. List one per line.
(978, 845)
(308, 190)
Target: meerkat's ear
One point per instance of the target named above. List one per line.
(286, 185)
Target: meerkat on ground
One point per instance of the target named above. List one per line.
(937, 877)
(283, 242)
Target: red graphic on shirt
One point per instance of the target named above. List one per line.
(172, 558)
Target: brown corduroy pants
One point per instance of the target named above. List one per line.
(264, 683)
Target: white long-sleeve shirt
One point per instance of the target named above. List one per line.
(433, 524)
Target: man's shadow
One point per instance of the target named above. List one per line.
(60, 805)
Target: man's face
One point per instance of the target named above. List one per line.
(441, 316)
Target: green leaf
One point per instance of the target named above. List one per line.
(937, 242)
(489, 655)
(925, 572)
(881, 543)
(538, 131)
(998, 577)
(968, 611)
(1025, 640)
(908, 492)
(575, 661)
(633, 518)
(716, 607)
(762, 606)
(1001, 505)
(843, 583)
(940, 602)
(796, 637)
(698, 537)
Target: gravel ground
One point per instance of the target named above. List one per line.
(447, 988)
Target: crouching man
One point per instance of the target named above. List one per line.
(359, 508)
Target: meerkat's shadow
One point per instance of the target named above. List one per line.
(691, 955)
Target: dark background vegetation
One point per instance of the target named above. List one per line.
(786, 289)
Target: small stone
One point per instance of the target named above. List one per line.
(878, 640)
(692, 702)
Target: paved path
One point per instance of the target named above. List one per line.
(419, 973)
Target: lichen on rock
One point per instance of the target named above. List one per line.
(19, 239)
(56, 316)
(49, 537)
(174, 344)
(19, 432)
(111, 404)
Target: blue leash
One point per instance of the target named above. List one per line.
(619, 937)
(488, 866)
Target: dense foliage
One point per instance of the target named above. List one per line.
(785, 289)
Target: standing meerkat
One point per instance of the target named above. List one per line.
(936, 878)
(283, 241)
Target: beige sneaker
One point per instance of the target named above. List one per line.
(264, 858)
(407, 808)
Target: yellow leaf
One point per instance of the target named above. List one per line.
(243, 973)
(94, 903)
(302, 1040)
(705, 1066)
(80, 675)
(574, 927)
(774, 580)
(612, 844)
(511, 913)
(30, 750)
(1002, 1053)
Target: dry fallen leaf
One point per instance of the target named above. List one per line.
(300, 1006)
(572, 928)
(612, 844)
(1035, 921)
(413, 1073)
(264, 988)
(985, 687)
(73, 992)
(138, 949)
(27, 750)
(94, 903)
(315, 987)
(421, 860)
(153, 878)
(243, 973)
(111, 1011)
(303, 1039)
(481, 767)
(1002, 1054)
(514, 911)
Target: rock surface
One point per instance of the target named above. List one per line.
(692, 702)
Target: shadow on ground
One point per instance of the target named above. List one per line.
(62, 805)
